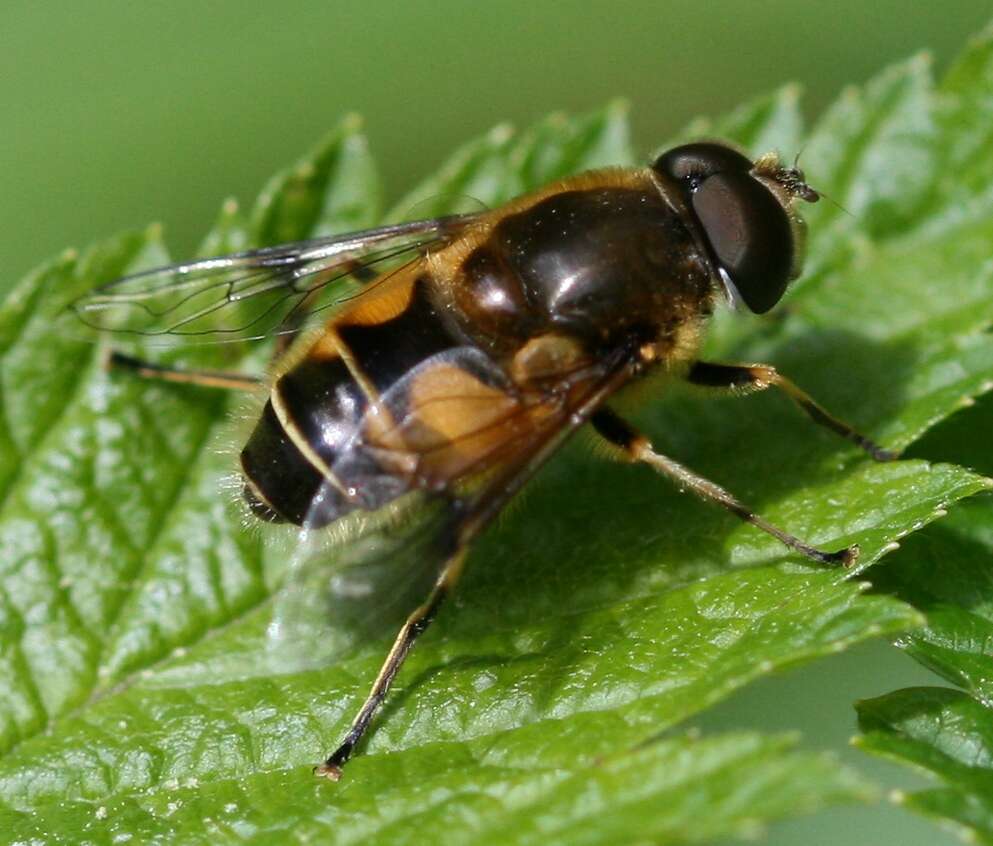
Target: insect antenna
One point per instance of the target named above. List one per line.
(828, 197)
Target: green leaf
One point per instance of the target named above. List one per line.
(945, 571)
(335, 189)
(675, 790)
(544, 703)
(945, 732)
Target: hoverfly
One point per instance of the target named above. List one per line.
(457, 372)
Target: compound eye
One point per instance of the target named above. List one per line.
(693, 163)
(745, 224)
(750, 235)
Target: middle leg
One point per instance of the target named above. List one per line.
(637, 447)
(758, 377)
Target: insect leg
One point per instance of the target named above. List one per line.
(205, 378)
(467, 520)
(758, 377)
(415, 624)
(622, 434)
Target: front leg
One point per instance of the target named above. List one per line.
(758, 377)
(637, 447)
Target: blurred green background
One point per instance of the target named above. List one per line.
(117, 114)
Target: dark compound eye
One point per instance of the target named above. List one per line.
(744, 222)
(750, 235)
(695, 162)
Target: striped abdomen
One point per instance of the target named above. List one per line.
(388, 400)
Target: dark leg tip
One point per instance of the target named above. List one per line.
(328, 771)
(114, 360)
(880, 454)
(845, 557)
(874, 450)
(331, 768)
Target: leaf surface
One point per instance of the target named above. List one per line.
(596, 617)
(947, 572)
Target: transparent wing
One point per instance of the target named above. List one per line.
(340, 599)
(346, 593)
(259, 293)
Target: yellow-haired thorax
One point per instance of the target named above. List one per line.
(443, 263)
(662, 362)
(788, 184)
(677, 347)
